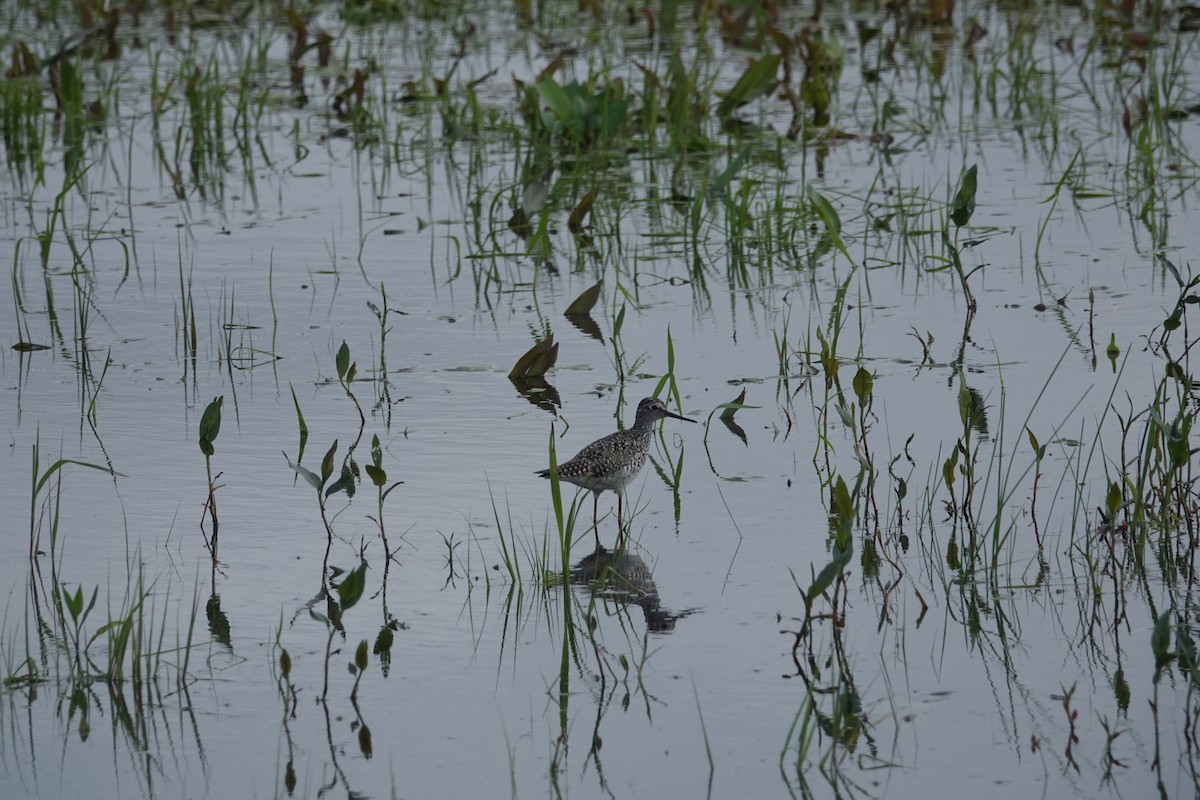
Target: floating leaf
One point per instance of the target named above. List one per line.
(539, 358)
(729, 409)
(587, 326)
(586, 301)
(29, 347)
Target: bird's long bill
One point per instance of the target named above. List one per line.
(676, 416)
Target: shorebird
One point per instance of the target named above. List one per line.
(612, 462)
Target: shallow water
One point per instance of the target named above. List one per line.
(940, 677)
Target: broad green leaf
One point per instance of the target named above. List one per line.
(1112, 351)
(1112, 501)
(350, 590)
(210, 425)
(963, 204)
(344, 483)
(841, 501)
(556, 98)
(864, 382)
(1177, 443)
(612, 115)
(302, 423)
(313, 479)
(376, 451)
(343, 360)
(823, 580)
(376, 474)
(74, 602)
(327, 462)
(757, 80)
(948, 468)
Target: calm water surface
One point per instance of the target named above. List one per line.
(938, 677)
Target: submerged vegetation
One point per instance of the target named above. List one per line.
(940, 249)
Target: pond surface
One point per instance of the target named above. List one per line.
(944, 544)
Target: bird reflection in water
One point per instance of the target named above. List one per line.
(623, 578)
